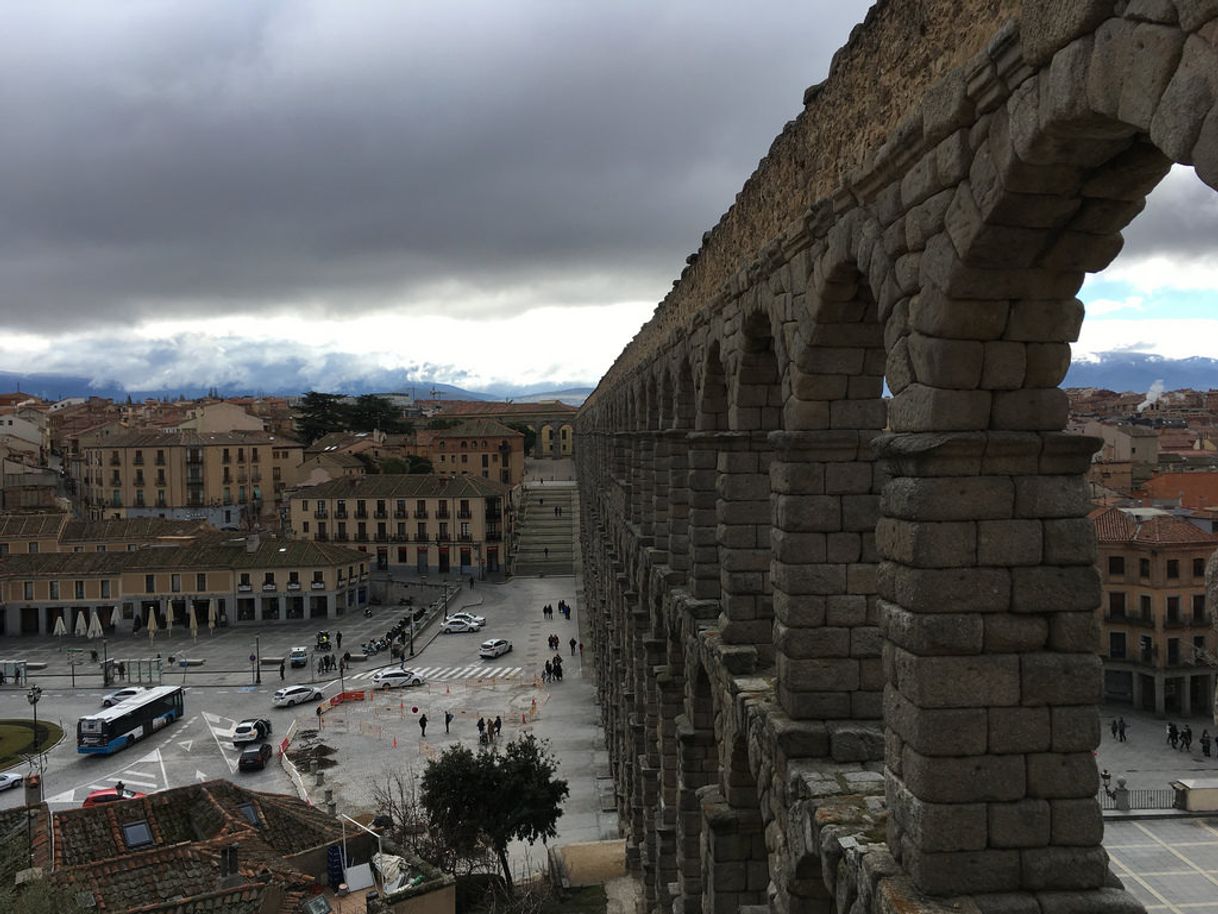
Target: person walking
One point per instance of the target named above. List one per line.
(1169, 727)
(1114, 728)
(498, 725)
(481, 729)
(548, 673)
(423, 725)
(1173, 735)
(1205, 743)
(339, 639)
(546, 551)
(1186, 738)
(281, 671)
(573, 642)
(448, 719)
(1121, 727)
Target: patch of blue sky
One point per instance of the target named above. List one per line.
(1118, 299)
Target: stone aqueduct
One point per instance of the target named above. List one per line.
(846, 644)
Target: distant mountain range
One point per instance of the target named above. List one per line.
(58, 387)
(1136, 371)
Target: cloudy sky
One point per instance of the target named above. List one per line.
(249, 194)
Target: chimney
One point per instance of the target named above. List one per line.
(230, 876)
(252, 542)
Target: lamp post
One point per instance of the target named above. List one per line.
(258, 664)
(32, 696)
(411, 631)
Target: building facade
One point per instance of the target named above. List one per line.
(226, 582)
(1157, 636)
(417, 524)
(478, 447)
(227, 479)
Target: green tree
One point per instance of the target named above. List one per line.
(319, 415)
(530, 435)
(39, 897)
(492, 798)
(419, 465)
(370, 412)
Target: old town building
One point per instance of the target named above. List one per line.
(476, 447)
(225, 478)
(1157, 637)
(422, 524)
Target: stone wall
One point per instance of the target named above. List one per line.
(847, 643)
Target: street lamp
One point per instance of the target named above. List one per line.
(258, 665)
(32, 696)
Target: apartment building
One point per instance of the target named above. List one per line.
(477, 447)
(420, 524)
(225, 478)
(239, 580)
(31, 534)
(1158, 639)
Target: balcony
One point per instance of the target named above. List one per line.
(226, 459)
(380, 515)
(194, 457)
(421, 515)
(443, 515)
(361, 537)
(464, 515)
(1188, 622)
(115, 462)
(400, 514)
(321, 537)
(361, 515)
(270, 588)
(317, 585)
(382, 537)
(320, 513)
(340, 512)
(494, 536)
(1121, 619)
(160, 461)
(138, 461)
(492, 515)
(465, 538)
(245, 588)
(293, 585)
(340, 537)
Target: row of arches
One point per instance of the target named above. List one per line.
(833, 520)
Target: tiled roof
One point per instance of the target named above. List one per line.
(338, 459)
(477, 428)
(454, 408)
(1194, 490)
(206, 554)
(1117, 525)
(31, 525)
(419, 485)
(130, 529)
(153, 438)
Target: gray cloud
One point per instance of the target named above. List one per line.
(198, 158)
(1180, 220)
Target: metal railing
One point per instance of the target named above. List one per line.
(1143, 798)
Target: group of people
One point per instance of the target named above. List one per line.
(553, 670)
(564, 609)
(488, 730)
(1181, 739)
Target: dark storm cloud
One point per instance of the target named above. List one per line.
(197, 158)
(1180, 221)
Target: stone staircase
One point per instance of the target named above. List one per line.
(545, 544)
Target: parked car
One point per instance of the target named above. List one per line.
(9, 779)
(254, 758)
(111, 795)
(294, 695)
(495, 647)
(468, 616)
(299, 656)
(395, 678)
(121, 695)
(459, 625)
(251, 730)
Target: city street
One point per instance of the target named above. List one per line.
(199, 746)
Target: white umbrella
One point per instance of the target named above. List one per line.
(152, 625)
(82, 625)
(169, 618)
(60, 628)
(194, 620)
(95, 626)
(211, 614)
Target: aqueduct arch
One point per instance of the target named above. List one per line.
(847, 644)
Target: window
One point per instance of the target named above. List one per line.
(54, 590)
(137, 834)
(1143, 568)
(1173, 651)
(1116, 604)
(1198, 647)
(105, 589)
(1116, 645)
(269, 578)
(27, 590)
(175, 583)
(201, 581)
(1144, 605)
(465, 458)
(1173, 568)
(421, 532)
(1173, 609)
(1198, 568)
(251, 815)
(276, 473)
(420, 508)
(79, 589)
(245, 579)
(318, 577)
(304, 526)
(1116, 565)
(33, 549)
(486, 460)
(1146, 649)
(3, 548)
(293, 577)
(150, 583)
(304, 505)
(1198, 607)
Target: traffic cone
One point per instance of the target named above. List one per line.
(395, 742)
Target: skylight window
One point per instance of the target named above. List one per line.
(137, 834)
(251, 814)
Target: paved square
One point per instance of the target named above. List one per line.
(1170, 865)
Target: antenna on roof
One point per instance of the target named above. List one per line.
(436, 394)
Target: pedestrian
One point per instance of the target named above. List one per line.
(549, 672)
(481, 728)
(546, 551)
(1114, 728)
(1205, 743)
(573, 643)
(339, 639)
(471, 582)
(1188, 738)
(448, 719)
(1169, 727)
(1121, 725)
(581, 657)
(281, 671)
(543, 502)
(1173, 735)
(423, 725)
(498, 725)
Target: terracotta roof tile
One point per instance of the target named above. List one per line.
(1118, 525)
(419, 485)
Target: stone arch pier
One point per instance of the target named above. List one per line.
(836, 550)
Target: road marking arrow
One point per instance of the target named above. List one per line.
(200, 776)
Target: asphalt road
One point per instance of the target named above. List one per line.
(222, 691)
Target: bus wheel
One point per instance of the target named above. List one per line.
(130, 741)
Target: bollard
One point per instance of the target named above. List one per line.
(329, 795)
(1122, 795)
(312, 766)
(319, 778)
(332, 808)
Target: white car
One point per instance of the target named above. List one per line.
(459, 625)
(495, 647)
(253, 730)
(294, 695)
(9, 780)
(469, 617)
(121, 695)
(394, 678)
(298, 656)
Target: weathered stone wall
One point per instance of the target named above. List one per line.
(846, 644)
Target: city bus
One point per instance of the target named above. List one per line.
(120, 725)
